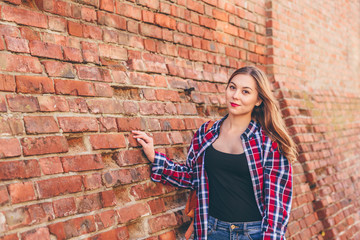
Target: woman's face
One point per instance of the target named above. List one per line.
(241, 95)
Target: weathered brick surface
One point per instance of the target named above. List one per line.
(78, 76)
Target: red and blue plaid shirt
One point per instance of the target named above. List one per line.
(271, 175)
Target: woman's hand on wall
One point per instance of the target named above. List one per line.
(146, 142)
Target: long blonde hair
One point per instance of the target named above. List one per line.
(268, 113)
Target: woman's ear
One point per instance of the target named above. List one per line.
(258, 102)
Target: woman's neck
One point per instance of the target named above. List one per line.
(236, 124)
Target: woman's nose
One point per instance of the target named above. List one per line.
(236, 95)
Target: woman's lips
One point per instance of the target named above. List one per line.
(234, 104)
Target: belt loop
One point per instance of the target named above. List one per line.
(215, 223)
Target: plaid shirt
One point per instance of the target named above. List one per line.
(271, 175)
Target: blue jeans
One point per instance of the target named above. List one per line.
(220, 230)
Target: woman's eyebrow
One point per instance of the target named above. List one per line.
(248, 87)
(243, 87)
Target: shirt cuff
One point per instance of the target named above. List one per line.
(157, 167)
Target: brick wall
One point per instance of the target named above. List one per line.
(77, 76)
(315, 63)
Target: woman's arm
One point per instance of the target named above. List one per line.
(165, 170)
(278, 193)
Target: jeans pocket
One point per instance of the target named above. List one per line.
(210, 229)
(255, 234)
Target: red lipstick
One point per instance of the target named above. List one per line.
(234, 104)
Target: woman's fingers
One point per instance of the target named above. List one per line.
(142, 136)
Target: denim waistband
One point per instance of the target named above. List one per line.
(234, 225)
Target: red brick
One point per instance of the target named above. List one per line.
(82, 163)
(78, 105)
(148, 16)
(161, 222)
(57, 24)
(183, 39)
(19, 63)
(132, 212)
(118, 233)
(106, 219)
(78, 124)
(92, 32)
(22, 16)
(76, 88)
(88, 203)
(44, 145)
(34, 84)
(79, 226)
(10, 31)
(39, 233)
(107, 124)
(165, 21)
(4, 195)
(128, 10)
(90, 52)
(64, 207)
(88, 14)
(59, 186)
(93, 73)
(157, 206)
(17, 217)
(150, 31)
(106, 141)
(17, 44)
(72, 54)
(19, 169)
(129, 157)
(11, 126)
(51, 165)
(107, 5)
(9, 147)
(75, 29)
(103, 90)
(119, 76)
(40, 213)
(149, 108)
(10, 237)
(195, 6)
(17, 2)
(108, 198)
(53, 103)
(59, 69)
(58, 230)
(113, 52)
(111, 20)
(29, 34)
(92, 181)
(146, 190)
(2, 44)
(45, 49)
(40, 124)
(154, 4)
(105, 106)
(7, 83)
(21, 192)
(2, 104)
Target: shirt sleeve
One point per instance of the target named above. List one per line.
(278, 194)
(166, 171)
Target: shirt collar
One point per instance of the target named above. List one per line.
(250, 130)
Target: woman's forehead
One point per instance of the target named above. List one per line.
(243, 80)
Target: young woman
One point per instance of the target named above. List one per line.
(240, 168)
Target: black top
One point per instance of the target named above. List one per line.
(231, 194)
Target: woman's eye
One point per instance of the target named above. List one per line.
(246, 92)
(232, 87)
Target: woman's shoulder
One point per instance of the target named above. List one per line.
(267, 141)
